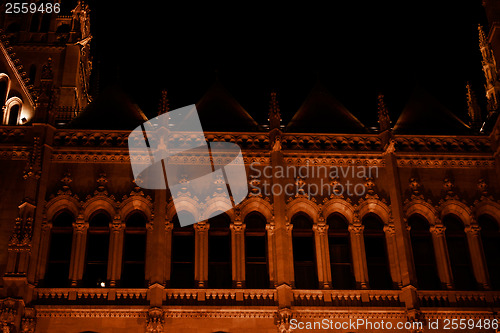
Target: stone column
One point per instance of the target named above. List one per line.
(78, 247)
(322, 255)
(43, 251)
(271, 254)
(441, 253)
(115, 256)
(392, 253)
(358, 255)
(168, 249)
(201, 253)
(238, 254)
(150, 249)
(477, 255)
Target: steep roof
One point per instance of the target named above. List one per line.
(113, 110)
(423, 114)
(322, 113)
(219, 111)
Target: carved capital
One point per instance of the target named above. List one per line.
(270, 227)
(356, 229)
(80, 226)
(390, 229)
(473, 229)
(237, 228)
(320, 229)
(201, 226)
(169, 226)
(438, 229)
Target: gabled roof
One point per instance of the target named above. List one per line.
(322, 113)
(423, 114)
(219, 111)
(113, 110)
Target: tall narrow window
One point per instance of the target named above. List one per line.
(182, 267)
(458, 251)
(256, 266)
(134, 251)
(490, 237)
(219, 252)
(32, 74)
(14, 114)
(4, 89)
(96, 261)
(340, 253)
(423, 253)
(376, 253)
(61, 237)
(304, 252)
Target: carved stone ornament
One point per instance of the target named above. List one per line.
(282, 320)
(155, 321)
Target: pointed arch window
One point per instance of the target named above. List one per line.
(423, 253)
(339, 244)
(183, 245)
(97, 249)
(490, 237)
(134, 251)
(219, 252)
(458, 252)
(376, 253)
(59, 257)
(304, 252)
(4, 88)
(256, 263)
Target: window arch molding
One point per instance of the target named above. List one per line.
(187, 204)
(60, 203)
(136, 204)
(215, 205)
(339, 206)
(457, 208)
(377, 207)
(422, 208)
(256, 204)
(6, 78)
(9, 104)
(486, 207)
(96, 204)
(304, 206)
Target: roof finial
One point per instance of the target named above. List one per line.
(163, 106)
(383, 114)
(473, 109)
(482, 36)
(274, 112)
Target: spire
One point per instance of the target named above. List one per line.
(473, 109)
(163, 106)
(383, 115)
(492, 85)
(274, 112)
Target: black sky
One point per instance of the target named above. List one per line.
(356, 50)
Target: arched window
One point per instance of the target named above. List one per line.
(4, 88)
(376, 253)
(182, 266)
(32, 74)
(339, 244)
(219, 252)
(35, 22)
(14, 115)
(490, 237)
(423, 253)
(458, 252)
(134, 251)
(256, 265)
(58, 261)
(304, 252)
(96, 261)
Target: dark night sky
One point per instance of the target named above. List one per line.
(357, 50)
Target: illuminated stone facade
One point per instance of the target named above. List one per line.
(84, 249)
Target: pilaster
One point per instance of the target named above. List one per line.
(201, 253)
(441, 253)
(476, 251)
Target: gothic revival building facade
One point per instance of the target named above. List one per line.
(83, 248)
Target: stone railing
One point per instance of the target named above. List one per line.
(347, 298)
(220, 297)
(459, 298)
(90, 296)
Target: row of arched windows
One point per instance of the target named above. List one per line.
(182, 273)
